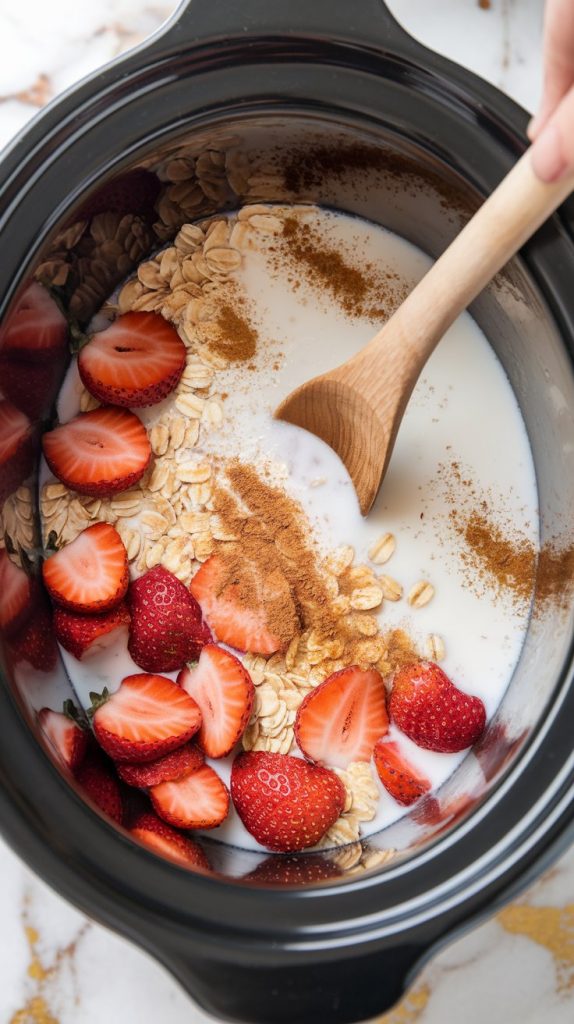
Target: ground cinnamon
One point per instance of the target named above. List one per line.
(509, 560)
(236, 338)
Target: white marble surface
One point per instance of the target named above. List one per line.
(58, 968)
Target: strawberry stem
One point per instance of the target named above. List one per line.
(72, 712)
(98, 700)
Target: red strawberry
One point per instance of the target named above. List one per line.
(144, 719)
(167, 628)
(162, 839)
(342, 719)
(16, 591)
(198, 800)
(432, 712)
(89, 575)
(16, 448)
(399, 778)
(35, 328)
(31, 387)
(95, 776)
(223, 690)
(284, 802)
(133, 192)
(244, 628)
(67, 737)
(171, 766)
(306, 869)
(100, 452)
(79, 634)
(136, 361)
(34, 642)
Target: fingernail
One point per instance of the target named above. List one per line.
(548, 160)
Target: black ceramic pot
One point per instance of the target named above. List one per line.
(332, 102)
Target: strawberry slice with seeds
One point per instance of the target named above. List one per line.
(341, 720)
(405, 784)
(137, 361)
(16, 591)
(241, 627)
(198, 800)
(284, 802)
(162, 839)
(96, 778)
(177, 763)
(144, 719)
(89, 575)
(35, 328)
(65, 734)
(223, 690)
(433, 712)
(167, 628)
(16, 448)
(98, 453)
(80, 634)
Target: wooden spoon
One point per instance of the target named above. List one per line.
(357, 408)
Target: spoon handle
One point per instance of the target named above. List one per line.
(511, 214)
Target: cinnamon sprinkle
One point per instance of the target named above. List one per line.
(510, 561)
(237, 339)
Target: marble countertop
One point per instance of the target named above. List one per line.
(60, 968)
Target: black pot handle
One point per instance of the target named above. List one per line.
(354, 21)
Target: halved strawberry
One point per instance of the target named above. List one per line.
(144, 719)
(432, 711)
(183, 761)
(284, 802)
(100, 452)
(341, 720)
(198, 800)
(35, 328)
(16, 594)
(223, 690)
(167, 628)
(162, 839)
(135, 362)
(67, 737)
(399, 778)
(16, 448)
(246, 629)
(79, 634)
(89, 575)
(133, 192)
(95, 776)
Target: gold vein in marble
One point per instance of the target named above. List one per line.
(410, 1009)
(550, 927)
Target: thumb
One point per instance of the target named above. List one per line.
(553, 149)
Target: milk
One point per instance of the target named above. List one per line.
(463, 410)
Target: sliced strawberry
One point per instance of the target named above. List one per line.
(246, 629)
(432, 711)
(34, 642)
(90, 575)
(100, 452)
(284, 802)
(341, 720)
(79, 634)
(399, 778)
(223, 690)
(306, 869)
(67, 737)
(167, 627)
(35, 328)
(137, 361)
(198, 800)
(162, 839)
(16, 591)
(16, 448)
(95, 776)
(144, 719)
(133, 192)
(177, 763)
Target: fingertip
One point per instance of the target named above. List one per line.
(548, 159)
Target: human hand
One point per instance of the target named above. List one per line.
(552, 130)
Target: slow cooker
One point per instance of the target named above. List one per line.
(333, 103)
